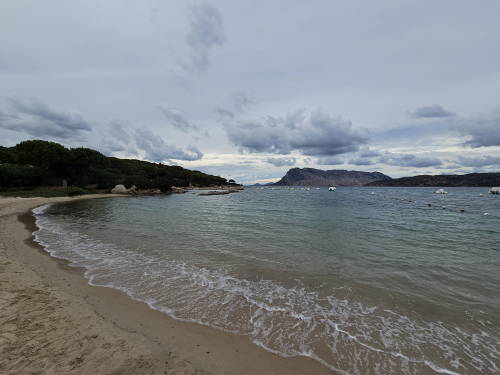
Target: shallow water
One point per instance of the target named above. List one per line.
(395, 282)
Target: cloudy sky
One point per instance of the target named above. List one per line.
(249, 89)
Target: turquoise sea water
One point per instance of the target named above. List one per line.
(397, 281)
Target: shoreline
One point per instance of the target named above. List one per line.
(128, 337)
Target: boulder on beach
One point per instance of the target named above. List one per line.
(119, 189)
(495, 190)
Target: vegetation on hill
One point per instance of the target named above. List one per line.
(37, 163)
(471, 179)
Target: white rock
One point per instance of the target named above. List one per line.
(119, 189)
(495, 190)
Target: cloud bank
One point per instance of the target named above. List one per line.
(144, 143)
(483, 132)
(409, 160)
(313, 134)
(37, 119)
(431, 111)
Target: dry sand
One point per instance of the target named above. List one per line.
(53, 322)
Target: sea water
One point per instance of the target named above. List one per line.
(364, 280)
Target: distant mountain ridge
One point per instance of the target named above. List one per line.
(471, 179)
(334, 177)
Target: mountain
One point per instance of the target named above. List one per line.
(472, 179)
(319, 177)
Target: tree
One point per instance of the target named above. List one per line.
(50, 156)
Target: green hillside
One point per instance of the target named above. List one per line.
(36, 163)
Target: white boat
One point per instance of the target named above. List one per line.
(440, 191)
(332, 188)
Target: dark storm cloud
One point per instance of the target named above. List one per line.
(478, 162)
(39, 120)
(205, 33)
(281, 162)
(431, 111)
(177, 120)
(314, 134)
(409, 160)
(144, 142)
(482, 132)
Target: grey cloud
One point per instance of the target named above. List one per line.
(157, 150)
(316, 134)
(177, 120)
(38, 120)
(118, 131)
(478, 162)
(206, 32)
(143, 142)
(223, 114)
(431, 111)
(482, 132)
(409, 160)
(241, 101)
(330, 161)
(361, 161)
(364, 156)
(281, 162)
(366, 152)
(117, 139)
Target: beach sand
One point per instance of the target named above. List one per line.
(53, 322)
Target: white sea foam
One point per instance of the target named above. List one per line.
(288, 321)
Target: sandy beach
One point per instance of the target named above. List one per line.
(53, 322)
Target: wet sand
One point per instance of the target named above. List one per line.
(53, 322)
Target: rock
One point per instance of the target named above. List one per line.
(119, 189)
(179, 190)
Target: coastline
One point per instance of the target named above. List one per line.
(53, 321)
